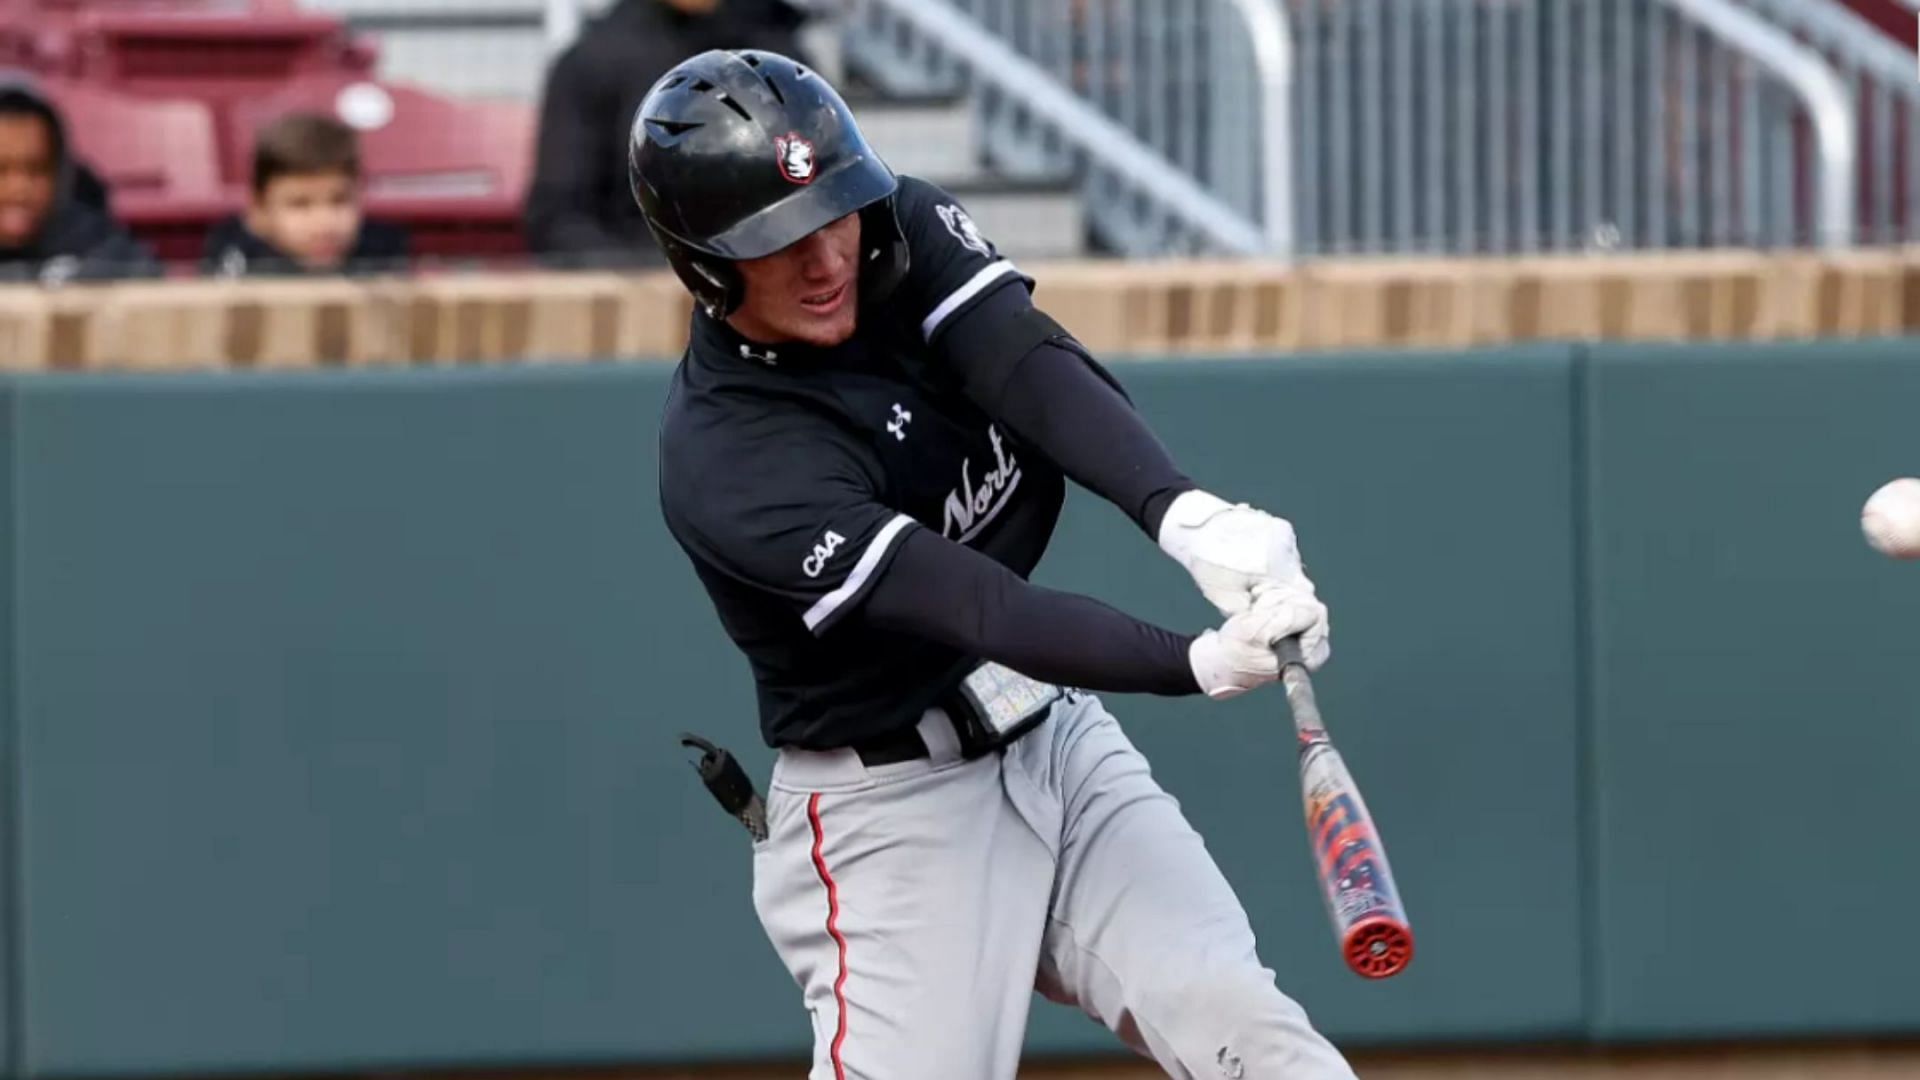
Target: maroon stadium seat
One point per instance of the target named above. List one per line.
(156, 46)
(143, 148)
(452, 171)
(185, 55)
(1891, 16)
(158, 158)
(166, 96)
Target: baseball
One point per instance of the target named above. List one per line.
(1891, 519)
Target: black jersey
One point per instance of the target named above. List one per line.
(789, 475)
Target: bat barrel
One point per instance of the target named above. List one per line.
(1371, 926)
(1376, 941)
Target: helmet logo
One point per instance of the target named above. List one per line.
(796, 158)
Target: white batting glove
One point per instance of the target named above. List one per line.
(1236, 554)
(1239, 656)
(1229, 549)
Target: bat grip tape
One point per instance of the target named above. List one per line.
(1299, 685)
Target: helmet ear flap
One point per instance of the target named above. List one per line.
(885, 257)
(714, 283)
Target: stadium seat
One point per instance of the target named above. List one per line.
(141, 148)
(1893, 17)
(167, 96)
(452, 171)
(413, 144)
(192, 48)
(213, 58)
(158, 159)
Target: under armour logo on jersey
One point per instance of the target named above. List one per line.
(897, 427)
(822, 551)
(1230, 1064)
(769, 357)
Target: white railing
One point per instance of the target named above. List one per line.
(1821, 92)
(1308, 127)
(1507, 126)
(1171, 115)
(1883, 77)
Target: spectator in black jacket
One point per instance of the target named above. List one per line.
(303, 215)
(580, 210)
(47, 233)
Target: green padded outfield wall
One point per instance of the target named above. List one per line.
(1757, 691)
(347, 704)
(9, 891)
(339, 708)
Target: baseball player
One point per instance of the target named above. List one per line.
(863, 455)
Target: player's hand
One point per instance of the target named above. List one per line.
(1237, 553)
(1239, 656)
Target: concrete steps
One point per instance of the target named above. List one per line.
(939, 140)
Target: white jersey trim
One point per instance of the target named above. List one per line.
(989, 274)
(824, 607)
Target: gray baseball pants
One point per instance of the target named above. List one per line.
(918, 905)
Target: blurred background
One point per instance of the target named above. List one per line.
(343, 654)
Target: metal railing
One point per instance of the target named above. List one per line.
(1884, 79)
(1503, 126)
(1435, 126)
(1171, 115)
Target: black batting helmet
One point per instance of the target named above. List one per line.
(736, 154)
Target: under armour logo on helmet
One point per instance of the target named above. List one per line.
(796, 158)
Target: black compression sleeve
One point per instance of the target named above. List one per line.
(941, 591)
(1058, 399)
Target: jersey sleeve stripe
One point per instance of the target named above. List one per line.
(824, 607)
(975, 285)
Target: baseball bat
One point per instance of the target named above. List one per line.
(1369, 921)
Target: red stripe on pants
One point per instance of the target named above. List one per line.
(833, 930)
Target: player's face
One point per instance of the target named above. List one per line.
(27, 169)
(808, 292)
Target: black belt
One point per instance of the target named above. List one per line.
(903, 743)
(893, 747)
(976, 736)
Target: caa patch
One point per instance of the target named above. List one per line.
(822, 551)
(964, 230)
(796, 158)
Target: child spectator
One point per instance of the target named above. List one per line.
(303, 214)
(48, 233)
